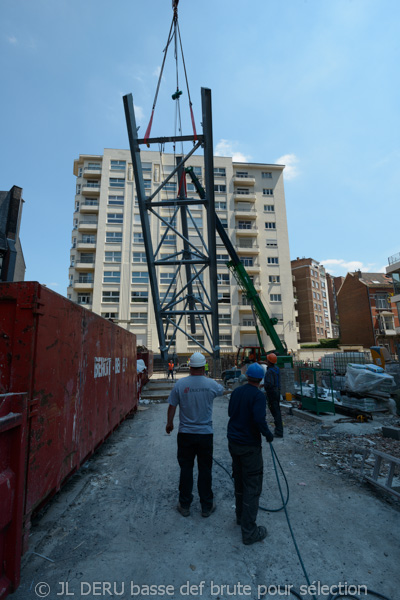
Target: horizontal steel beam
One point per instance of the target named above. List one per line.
(174, 138)
(176, 202)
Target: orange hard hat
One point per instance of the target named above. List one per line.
(272, 358)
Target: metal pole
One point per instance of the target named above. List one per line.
(144, 218)
(211, 222)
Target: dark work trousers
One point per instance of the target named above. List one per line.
(247, 467)
(191, 445)
(170, 373)
(273, 397)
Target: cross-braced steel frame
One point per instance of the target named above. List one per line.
(187, 294)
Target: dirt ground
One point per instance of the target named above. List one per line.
(114, 529)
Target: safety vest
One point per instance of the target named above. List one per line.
(171, 366)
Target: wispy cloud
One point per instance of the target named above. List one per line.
(12, 39)
(291, 169)
(339, 266)
(228, 148)
(157, 71)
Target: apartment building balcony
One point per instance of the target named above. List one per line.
(89, 207)
(253, 269)
(246, 209)
(91, 189)
(249, 197)
(247, 328)
(242, 180)
(246, 231)
(85, 225)
(86, 245)
(84, 266)
(245, 308)
(83, 286)
(245, 250)
(92, 172)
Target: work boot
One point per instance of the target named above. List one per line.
(185, 512)
(206, 512)
(262, 534)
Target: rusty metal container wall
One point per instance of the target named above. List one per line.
(79, 371)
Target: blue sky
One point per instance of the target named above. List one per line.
(311, 83)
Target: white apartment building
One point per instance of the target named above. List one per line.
(108, 272)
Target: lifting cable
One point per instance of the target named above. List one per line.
(332, 596)
(174, 33)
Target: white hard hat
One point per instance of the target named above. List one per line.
(197, 360)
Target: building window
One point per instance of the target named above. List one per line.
(92, 184)
(272, 244)
(113, 237)
(381, 301)
(220, 205)
(146, 167)
(112, 277)
(170, 240)
(224, 222)
(110, 297)
(118, 165)
(325, 304)
(241, 174)
(314, 295)
(324, 294)
(274, 279)
(169, 187)
(112, 257)
(224, 298)
(138, 238)
(224, 319)
(268, 192)
(84, 298)
(269, 208)
(242, 191)
(115, 218)
(78, 188)
(140, 277)
(80, 170)
(117, 182)
(273, 260)
(147, 184)
(109, 315)
(88, 239)
(223, 278)
(116, 200)
(244, 225)
(139, 257)
(199, 338)
(197, 171)
(318, 296)
(139, 318)
(270, 225)
(140, 296)
(266, 175)
(94, 166)
(221, 189)
(318, 330)
(90, 202)
(219, 172)
(316, 318)
(166, 278)
(85, 278)
(225, 339)
(275, 298)
(320, 318)
(247, 262)
(248, 323)
(222, 258)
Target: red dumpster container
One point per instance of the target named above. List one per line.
(78, 371)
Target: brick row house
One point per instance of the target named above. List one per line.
(366, 314)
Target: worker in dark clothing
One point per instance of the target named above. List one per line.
(272, 386)
(247, 412)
